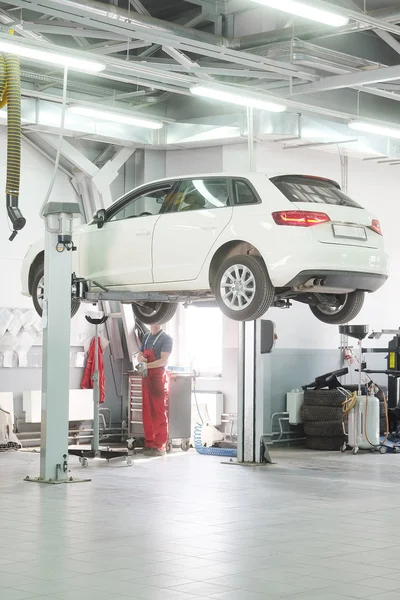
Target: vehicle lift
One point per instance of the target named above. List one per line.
(256, 339)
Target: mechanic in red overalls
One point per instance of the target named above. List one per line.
(155, 351)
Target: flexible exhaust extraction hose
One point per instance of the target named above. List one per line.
(10, 94)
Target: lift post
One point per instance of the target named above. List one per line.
(256, 338)
(58, 218)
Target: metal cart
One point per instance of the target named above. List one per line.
(179, 410)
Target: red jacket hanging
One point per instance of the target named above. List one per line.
(87, 379)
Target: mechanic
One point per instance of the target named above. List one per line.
(154, 353)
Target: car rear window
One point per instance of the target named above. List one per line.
(298, 188)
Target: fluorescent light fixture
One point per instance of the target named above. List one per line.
(385, 130)
(53, 58)
(114, 117)
(305, 10)
(236, 98)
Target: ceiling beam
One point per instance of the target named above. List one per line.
(361, 78)
(69, 30)
(389, 39)
(107, 48)
(146, 28)
(138, 6)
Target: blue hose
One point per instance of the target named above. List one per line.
(198, 443)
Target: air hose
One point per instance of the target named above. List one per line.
(10, 94)
(197, 437)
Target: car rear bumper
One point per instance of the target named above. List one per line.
(358, 267)
(346, 280)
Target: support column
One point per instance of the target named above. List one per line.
(255, 337)
(56, 341)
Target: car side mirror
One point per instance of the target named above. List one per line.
(99, 218)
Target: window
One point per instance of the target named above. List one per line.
(244, 194)
(145, 205)
(312, 190)
(203, 339)
(196, 194)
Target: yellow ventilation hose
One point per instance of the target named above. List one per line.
(10, 94)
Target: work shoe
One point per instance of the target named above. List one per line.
(157, 452)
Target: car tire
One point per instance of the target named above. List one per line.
(328, 444)
(260, 292)
(321, 413)
(332, 398)
(324, 428)
(37, 284)
(349, 311)
(155, 313)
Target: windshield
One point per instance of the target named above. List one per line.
(300, 188)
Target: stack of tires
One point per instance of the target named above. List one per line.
(322, 414)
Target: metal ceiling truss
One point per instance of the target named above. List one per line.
(293, 79)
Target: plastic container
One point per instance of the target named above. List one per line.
(294, 402)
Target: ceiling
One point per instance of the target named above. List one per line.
(155, 50)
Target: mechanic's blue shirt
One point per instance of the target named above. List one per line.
(163, 344)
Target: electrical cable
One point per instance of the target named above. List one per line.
(197, 437)
(60, 141)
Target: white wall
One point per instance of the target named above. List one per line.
(191, 162)
(36, 173)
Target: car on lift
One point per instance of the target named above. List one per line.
(244, 241)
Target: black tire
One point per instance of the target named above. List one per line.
(321, 413)
(324, 429)
(352, 306)
(331, 398)
(155, 313)
(36, 283)
(325, 443)
(264, 292)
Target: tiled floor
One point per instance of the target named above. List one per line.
(312, 527)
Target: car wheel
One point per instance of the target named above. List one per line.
(155, 313)
(38, 292)
(243, 289)
(349, 307)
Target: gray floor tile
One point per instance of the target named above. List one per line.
(190, 528)
(11, 594)
(356, 590)
(382, 583)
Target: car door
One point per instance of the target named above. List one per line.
(120, 252)
(195, 215)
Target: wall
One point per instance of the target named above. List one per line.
(305, 346)
(36, 174)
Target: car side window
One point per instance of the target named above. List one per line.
(197, 194)
(244, 194)
(145, 205)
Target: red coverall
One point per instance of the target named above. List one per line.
(154, 408)
(87, 379)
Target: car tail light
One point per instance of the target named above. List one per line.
(299, 218)
(376, 226)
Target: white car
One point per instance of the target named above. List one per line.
(243, 240)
